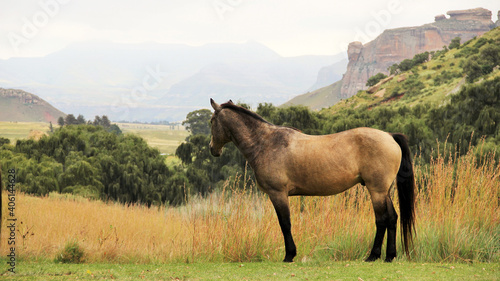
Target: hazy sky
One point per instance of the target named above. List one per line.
(291, 28)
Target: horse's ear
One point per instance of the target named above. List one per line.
(231, 102)
(215, 105)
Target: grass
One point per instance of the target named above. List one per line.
(163, 137)
(21, 130)
(457, 211)
(47, 270)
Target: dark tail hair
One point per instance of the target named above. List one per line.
(406, 193)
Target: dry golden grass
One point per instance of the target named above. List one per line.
(457, 213)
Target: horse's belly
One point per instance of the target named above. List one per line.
(322, 186)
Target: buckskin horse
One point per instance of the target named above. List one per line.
(287, 162)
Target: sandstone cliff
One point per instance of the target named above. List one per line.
(395, 45)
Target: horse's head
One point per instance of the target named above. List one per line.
(220, 135)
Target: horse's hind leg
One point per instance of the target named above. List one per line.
(385, 219)
(391, 230)
(280, 203)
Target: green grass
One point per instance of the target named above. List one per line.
(21, 130)
(356, 270)
(158, 136)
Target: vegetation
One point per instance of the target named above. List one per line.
(375, 79)
(80, 120)
(408, 64)
(92, 162)
(72, 253)
(166, 138)
(456, 209)
(351, 270)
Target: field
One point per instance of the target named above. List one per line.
(457, 213)
(21, 130)
(163, 137)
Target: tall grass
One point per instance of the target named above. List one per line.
(457, 211)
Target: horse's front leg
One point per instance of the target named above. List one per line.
(280, 203)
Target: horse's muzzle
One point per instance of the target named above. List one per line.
(215, 152)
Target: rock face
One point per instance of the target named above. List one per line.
(395, 45)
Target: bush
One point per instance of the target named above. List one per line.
(375, 79)
(72, 253)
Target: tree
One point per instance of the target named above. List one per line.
(60, 121)
(375, 79)
(80, 119)
(97, 121)
(70, 120)
(455, 43)
(4, 141)
(198, 122)
(105, 122)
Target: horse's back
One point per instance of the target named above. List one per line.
(330, 164)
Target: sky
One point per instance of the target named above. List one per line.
(291, 28)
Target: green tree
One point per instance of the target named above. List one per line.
(375, 79)
(60, 121)
(70, 120)
(455, 43)
(80, 119)
(198, 122)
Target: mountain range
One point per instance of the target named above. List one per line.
(148, 82)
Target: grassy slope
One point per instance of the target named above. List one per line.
(427, 74)
(318, 99)
(257, 271)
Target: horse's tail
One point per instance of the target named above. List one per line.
(406, 193)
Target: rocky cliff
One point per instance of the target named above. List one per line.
(395, 45)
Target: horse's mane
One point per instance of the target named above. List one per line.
(243, 110)
(252, 114)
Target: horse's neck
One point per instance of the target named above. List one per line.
(248, 136)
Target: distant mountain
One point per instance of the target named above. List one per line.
(147, 82)
(21, 106)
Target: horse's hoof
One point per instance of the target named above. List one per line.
(372, 258)
(288, 259)
(389, 259)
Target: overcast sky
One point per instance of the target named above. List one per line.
(291, 28)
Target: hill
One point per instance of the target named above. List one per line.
(453, 97)
(433, 82)
(395, 45)
(21, 106)
(318, 99)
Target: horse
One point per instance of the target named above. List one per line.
(287, 163)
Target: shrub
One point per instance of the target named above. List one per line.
(375, 79)
(72, 253)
